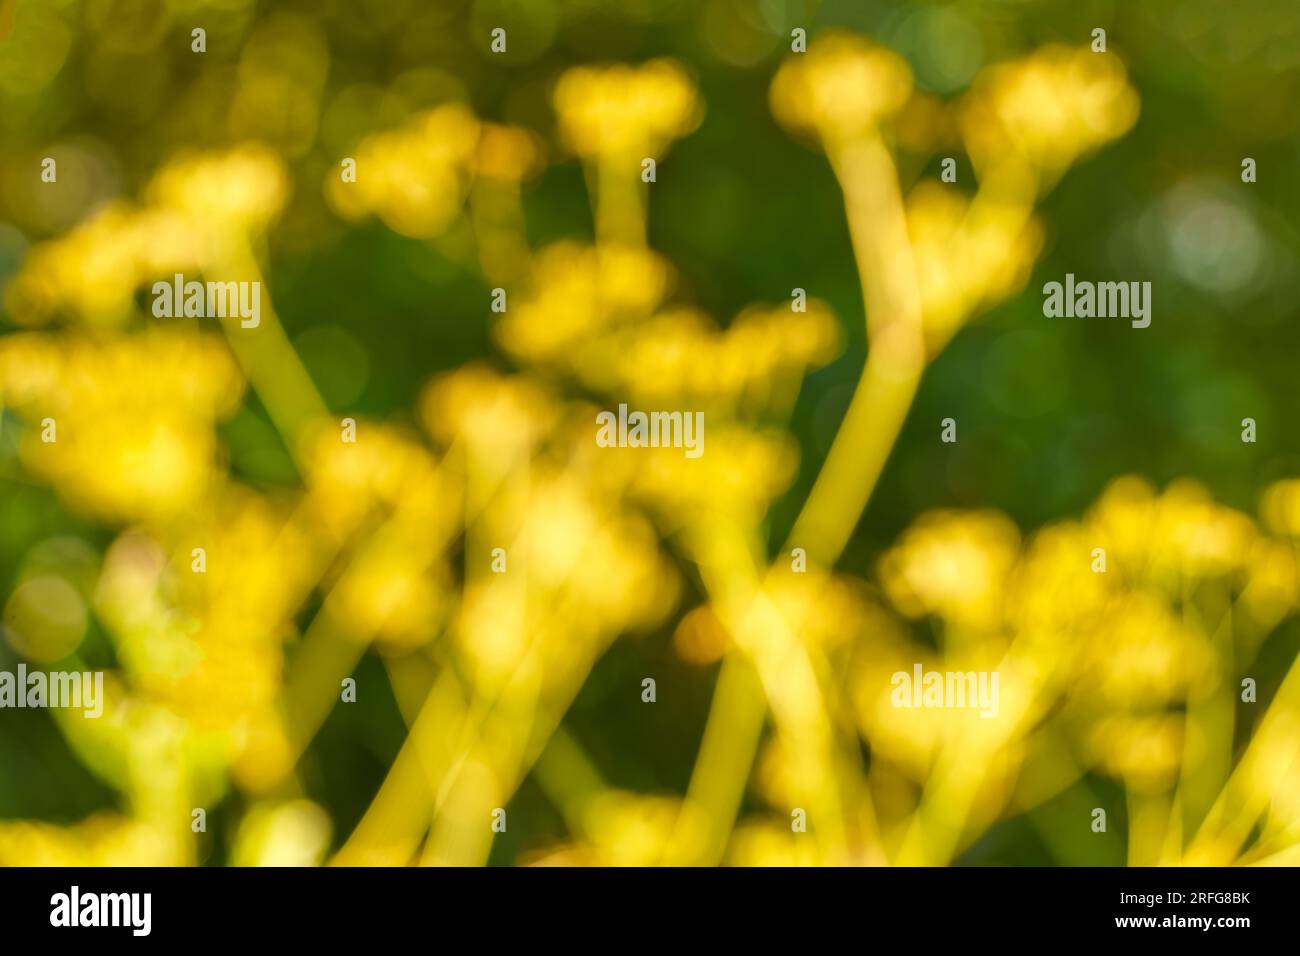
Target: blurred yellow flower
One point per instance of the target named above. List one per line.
(507, 153)
(770, 844)
(842, 88)
(415, 178)
(623, 111)
(679, 355)
(105, 839)
(289, 833)
(123, 426)
(966, 258)
(579, 291)
(242, 190)
(200, 208)
(481, 407)
(1144, 751)
(954, 565)
(1280, 507)
(1047, 109)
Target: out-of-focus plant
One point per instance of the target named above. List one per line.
(388, 544)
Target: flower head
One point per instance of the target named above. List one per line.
(1047, 109)
(620, 111)
(842, 88)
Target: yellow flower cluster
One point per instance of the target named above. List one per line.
(953, 565)
(105, 839)
(240, 191)
(598, 314)
(416, 178)
(1047, 110)
(579, 292)
(1022, 122)
(122, 427)
(198, 205)
(622, 111)
(679, 355)
(966, 259)
(843, 88)
(1099, 630)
